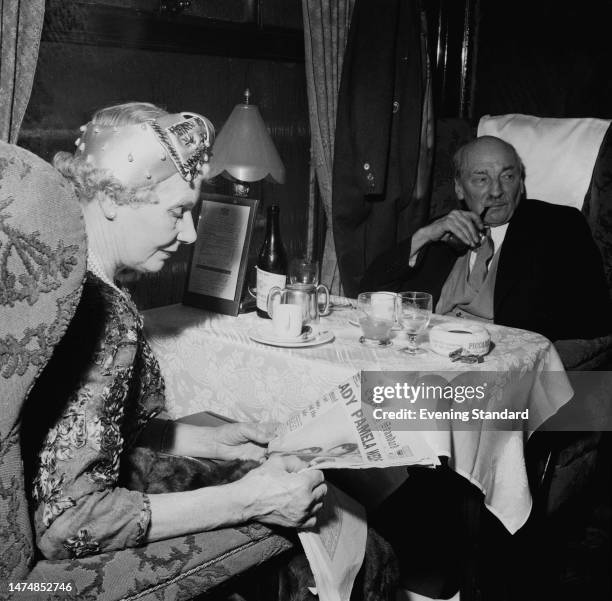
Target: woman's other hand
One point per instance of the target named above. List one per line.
(281, 492)
(243, 440)
(229, 441)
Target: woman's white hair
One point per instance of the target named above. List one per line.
(89, 180)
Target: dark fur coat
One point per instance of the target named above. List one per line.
(154, 472)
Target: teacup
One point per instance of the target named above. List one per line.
(287, 321)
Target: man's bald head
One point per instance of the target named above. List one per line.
(484, 144)
(489, 175)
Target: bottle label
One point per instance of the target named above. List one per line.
(265, 281)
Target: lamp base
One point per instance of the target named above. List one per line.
(240, 189)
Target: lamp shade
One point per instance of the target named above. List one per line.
(244, 150)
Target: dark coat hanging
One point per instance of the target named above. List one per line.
(378, 132)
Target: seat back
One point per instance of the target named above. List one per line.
(42, 266)
(567, 162)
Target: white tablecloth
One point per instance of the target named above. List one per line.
(210, 363)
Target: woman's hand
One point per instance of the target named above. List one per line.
(278, 494)
(242, 440)
(229, 441)
(275, 493)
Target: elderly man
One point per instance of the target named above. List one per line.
(503, 258)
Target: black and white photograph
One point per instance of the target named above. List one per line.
(305, 300)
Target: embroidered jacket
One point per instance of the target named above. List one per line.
(101, 388)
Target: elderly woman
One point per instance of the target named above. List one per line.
(137, 172)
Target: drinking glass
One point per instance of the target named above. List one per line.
(414, 315)
(303, 270)
(376, 315)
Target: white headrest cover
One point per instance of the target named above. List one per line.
(558, 154)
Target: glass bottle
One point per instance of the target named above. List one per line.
(271, 263)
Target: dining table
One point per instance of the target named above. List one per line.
(213, 362)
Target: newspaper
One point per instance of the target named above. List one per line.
(339, 431)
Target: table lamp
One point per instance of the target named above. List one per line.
(244, 151)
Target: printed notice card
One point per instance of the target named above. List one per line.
(220, 253)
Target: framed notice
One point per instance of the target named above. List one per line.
(220, 254)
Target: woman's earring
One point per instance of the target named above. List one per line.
(111, 216)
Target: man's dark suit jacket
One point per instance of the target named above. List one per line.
(550, 277)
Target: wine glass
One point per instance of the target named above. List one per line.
(377, 311)
(414, 314)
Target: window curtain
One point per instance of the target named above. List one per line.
(20, 30)
(326, 26)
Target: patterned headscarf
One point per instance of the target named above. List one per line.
(147, 153)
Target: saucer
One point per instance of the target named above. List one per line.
(306, 336)
(264, 335)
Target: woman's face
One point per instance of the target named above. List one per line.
(149, 233)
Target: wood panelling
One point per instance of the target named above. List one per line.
(547, 58)
(453, 37)
(228, 10)
(94, 23)
(281, 13)
(76, 77)
(285, 14)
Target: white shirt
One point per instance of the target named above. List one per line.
(498, 234)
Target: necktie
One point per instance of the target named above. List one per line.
(484, 253)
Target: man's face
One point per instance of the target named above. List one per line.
(490, 178)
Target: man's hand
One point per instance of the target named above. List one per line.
(282, 495)
(465, 225)
(242, 440)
